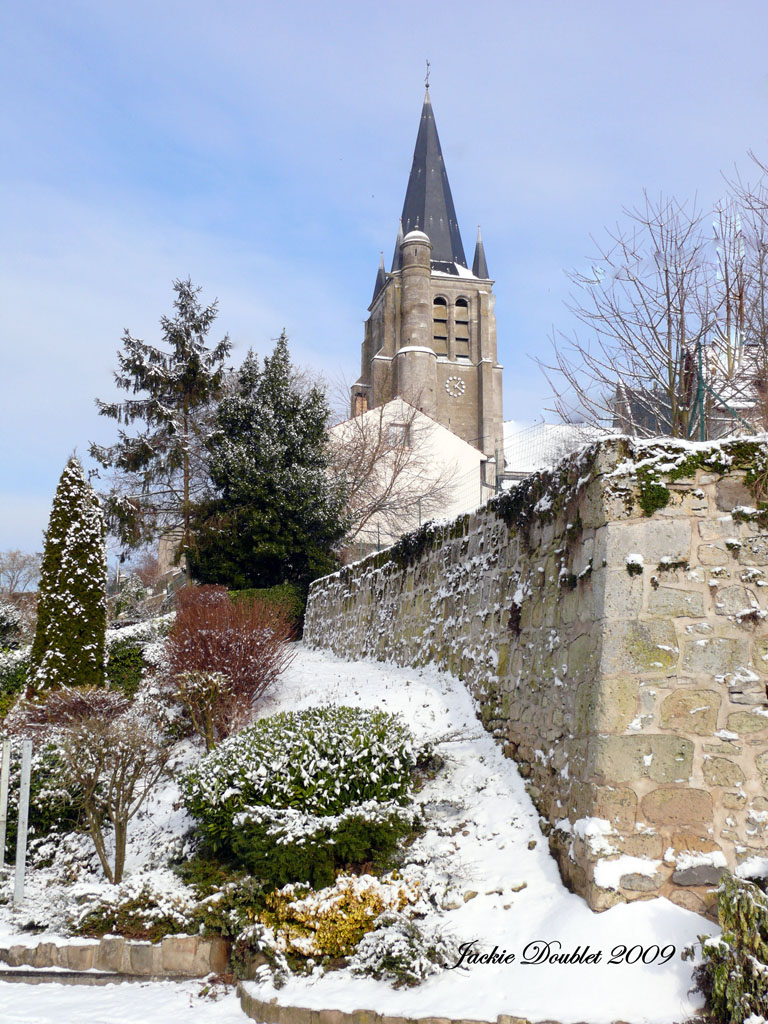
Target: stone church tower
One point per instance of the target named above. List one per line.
(431, 334)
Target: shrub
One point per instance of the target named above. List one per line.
(133, 910)
(332, 921)
(734, 974)
(68, 649)
(245, 641)
(300, 792)
(10, 623)
(55, 805)
(14, 667)
(403, 951)
(132, 651)
(229, 908)
(289, 596)
(205, 697)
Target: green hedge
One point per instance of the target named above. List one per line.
(300, 793)
(287, 595)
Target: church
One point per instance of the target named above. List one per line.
(430, 338)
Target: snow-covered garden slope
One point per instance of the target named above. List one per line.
(485, 855)
(482, 857)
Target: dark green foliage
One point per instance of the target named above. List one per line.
(162, 467)
(13, 679)
(54, 805)
(412, 547)
(277, 515)
(734, 975)
(287, 595)
(316, 859)
(142, 915)
(226, 909)
(10, 624)
(125, 666)
(68, 649)
(334, 793)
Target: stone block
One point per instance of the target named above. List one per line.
(182, 954)
(111, 954)
(761, 763)
(699, 874)
(654, 539)
(661, 758)
(746, 723)
(733, 801)
(617, 805)
(677, 805)
(145, 958)
(678, 603)
(686, 841)
(617, 595)
(641, 844)
(714, 553)
(692, 711)
(641, 883)
(647, 646)
(45, 954)
(720, 771)
(734, 599)
(717, 656)
(78, 958)
(731, 491)
(687, 900)
(754, 551)
(606, 705)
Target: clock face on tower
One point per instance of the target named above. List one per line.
(455, 387)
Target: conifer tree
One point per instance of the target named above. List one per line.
(68, 649)
(159, 473)
(278, 515)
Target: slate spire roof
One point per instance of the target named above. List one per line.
(479, 263)
(428, 202)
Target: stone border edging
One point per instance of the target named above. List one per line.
(188, 956)
(272, 1013)
(42, 976)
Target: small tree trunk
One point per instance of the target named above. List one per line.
(121, 836)
(98, 841)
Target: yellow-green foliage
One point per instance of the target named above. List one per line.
(331, 922)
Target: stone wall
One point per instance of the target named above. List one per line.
(610, 619)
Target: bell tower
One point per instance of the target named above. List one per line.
(431, 334)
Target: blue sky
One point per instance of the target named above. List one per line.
(263, 149)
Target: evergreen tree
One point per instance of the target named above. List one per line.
(159, 474)
(277, 516)
(68, 649)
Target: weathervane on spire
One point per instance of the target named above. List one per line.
(426, 80)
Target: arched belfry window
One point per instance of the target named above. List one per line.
(440, 325)
(462, 329)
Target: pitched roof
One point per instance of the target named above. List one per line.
(428, 202)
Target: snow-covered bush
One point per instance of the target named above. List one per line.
(68, 649)
(246, 641)
(332, 921)
(403, 951)
(14, 667)
(300, 792)
(134, 910)
(133, 651)
(734, 974)
(203, 695)
(55, 803)
(131, 598)
(10, 623)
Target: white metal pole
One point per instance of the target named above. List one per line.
(21, 835)
(5, 774)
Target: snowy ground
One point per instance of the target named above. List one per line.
(128, 1003)
(482, 828)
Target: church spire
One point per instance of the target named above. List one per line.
(381, 278)
(428, 202)
(397, 257)
(479, 264)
